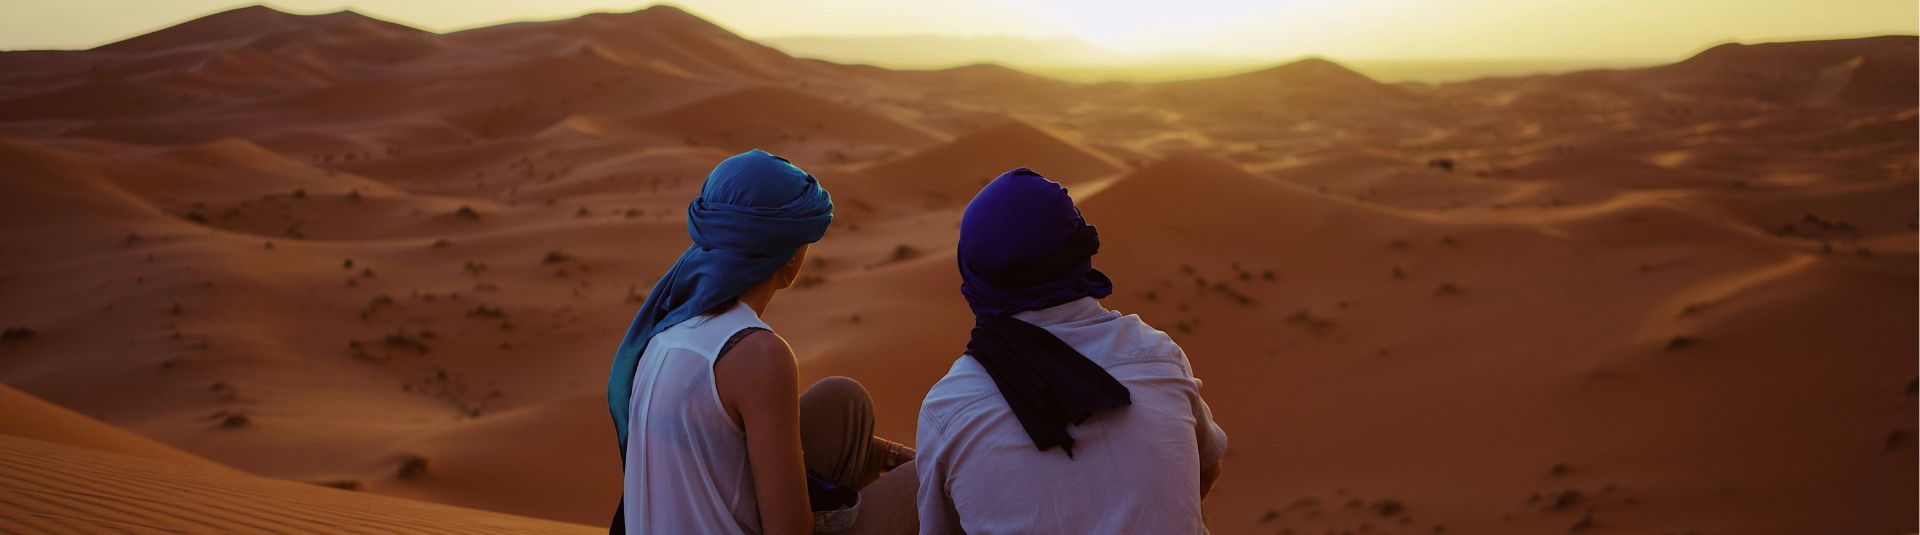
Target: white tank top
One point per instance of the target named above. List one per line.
(686, 468)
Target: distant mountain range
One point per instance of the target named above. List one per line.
(1075, 59)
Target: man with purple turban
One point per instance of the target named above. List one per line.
(1062, 416)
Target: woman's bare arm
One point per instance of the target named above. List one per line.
(760, 384)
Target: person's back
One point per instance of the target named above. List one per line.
(1134, 469)
(1062, 416)
(715, 435)
(691, 450)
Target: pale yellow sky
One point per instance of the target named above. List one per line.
(1480, 29)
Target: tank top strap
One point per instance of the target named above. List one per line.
(707, 335)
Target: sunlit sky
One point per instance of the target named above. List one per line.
(1414, 29)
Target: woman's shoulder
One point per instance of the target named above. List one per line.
(758, 371)
(757, 349)
(713, 333)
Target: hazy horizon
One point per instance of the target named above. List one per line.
(331, 274)
(1069, 55)
(1232, 31)
(1069, 58)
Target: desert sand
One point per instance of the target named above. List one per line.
(62, 472)
(258, 253)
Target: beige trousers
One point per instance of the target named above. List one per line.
(837, 442)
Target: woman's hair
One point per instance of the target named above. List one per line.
(722, 307)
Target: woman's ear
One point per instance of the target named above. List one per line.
(791, 272)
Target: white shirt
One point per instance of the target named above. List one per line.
(686, 467)
(1135, 469)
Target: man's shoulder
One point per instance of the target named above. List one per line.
(1123, 339)
(1146, 338)
(965, 385)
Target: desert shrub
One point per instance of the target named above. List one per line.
(237, 420)
(1585, 523)
(1564, 500)
(342, 484)
(402, 340)
(1231, 293)
(14, 334)
(411, 467)
(1679, 343)
(1313, 324)
(903, 252)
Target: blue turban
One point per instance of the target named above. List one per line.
(753, 213)
(1024, 246)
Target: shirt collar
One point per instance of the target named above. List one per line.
(1070, 311)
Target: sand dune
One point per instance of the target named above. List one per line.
(57, 185)
(952, 172)
(254, 22)
(1339, 386)
(1870, 71)
(784, 121)
(662, 35)
(28, 417)
(567, 434)
(69, 489)
(979, 80)
(1315, 83)
(330, 249)
(1191, 192)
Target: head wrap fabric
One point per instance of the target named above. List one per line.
(754, 211)
(1024, 246)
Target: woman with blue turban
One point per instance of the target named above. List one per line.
(715, 434)
(1062, 416)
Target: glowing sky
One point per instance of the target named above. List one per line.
(1248, 28)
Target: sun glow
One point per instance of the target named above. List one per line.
(1263, 29)
(1153, 26)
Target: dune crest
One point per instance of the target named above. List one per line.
(331, 249)
(68, 483)
(28, 417)
(951, 172)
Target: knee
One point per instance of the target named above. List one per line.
(837, 388)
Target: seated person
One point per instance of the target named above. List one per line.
(1062, 416)
(715, 434)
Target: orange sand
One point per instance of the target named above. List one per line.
(330, 249)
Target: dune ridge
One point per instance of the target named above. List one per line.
(330, 249)
(81, 490)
